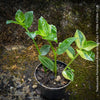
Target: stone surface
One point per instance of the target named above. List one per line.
(58, 78)
(34, 86)
(14, 47)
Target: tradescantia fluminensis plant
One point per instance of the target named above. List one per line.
(49, 33)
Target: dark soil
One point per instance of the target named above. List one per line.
(48, 79)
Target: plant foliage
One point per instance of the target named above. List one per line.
(49, 33)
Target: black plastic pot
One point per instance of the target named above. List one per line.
(51, 93)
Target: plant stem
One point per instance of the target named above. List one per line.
(37, 50)
(39, 54)
(55, 62)
(36, 47)
(71, 61)
(34, 43)
(26, 29)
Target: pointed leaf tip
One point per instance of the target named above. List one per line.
(89, 45)
(19, 16)
(88, 55)
(80, 38)
(28, 18)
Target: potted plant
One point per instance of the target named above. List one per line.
(54, 76)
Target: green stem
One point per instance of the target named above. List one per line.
(36, 47)
(71, 61)
(34, 43)
(55, 57)
(26, 29)
(37, 50)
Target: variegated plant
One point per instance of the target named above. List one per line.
(84, 50)
(49, 33)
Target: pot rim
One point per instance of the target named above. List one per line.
(46, 86)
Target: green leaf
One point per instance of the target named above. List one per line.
(45, 49)
(89, 45)
(47, 62)
(52, 35)
(65, 45)
(19, 16)
(28, 18)
(32, 35)
(11, 21)
(36, 32)
(68, 74)
(48, 32)
(88, 55)
(43, 26)
(70, 52)
(80, 39)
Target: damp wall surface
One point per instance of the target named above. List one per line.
(67, 16)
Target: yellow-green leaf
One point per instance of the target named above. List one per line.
(68, 74)
(70, 52)
(48, 32)
(80, 39)
(88, 55)
(89, 45)
(19, 16)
